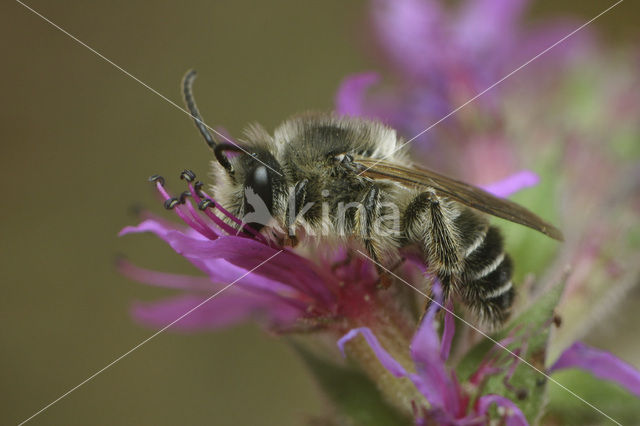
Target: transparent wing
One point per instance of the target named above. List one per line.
(466, 194)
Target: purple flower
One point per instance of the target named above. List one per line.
(283, 291)
(449, 402)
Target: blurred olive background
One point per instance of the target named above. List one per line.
(80, 138)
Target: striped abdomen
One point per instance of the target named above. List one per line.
(464, 252)
(485, 280)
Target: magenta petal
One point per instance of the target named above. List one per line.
(158, 227)
(221, 311)
(448, 332)
(202, 253)
(432, 378)
(436, 382)
(385, 359)
(513, 416)
(512, 184)
(426, 343)
(227, 257)
(351, 93)
(163, 279)
(601, 364)
(289, 268)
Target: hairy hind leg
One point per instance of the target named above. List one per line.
(429, 222)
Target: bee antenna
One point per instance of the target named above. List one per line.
(190, 102)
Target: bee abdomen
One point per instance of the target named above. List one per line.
(485, 283)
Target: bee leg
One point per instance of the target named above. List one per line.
(368, 212)
(294, 209)
(430, 223)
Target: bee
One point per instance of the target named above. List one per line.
(322, 177)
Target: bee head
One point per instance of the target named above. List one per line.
(254, 185)
(257, 174)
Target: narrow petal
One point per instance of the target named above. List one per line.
(151, 225)
(448, 332)
(601, 364)
(512, 184)
(512, 414)
(224, 275)
(228, 257)
(426, 343)
(164, 279)
(436, 382)
(384, 357)
(184, 243)
(288, 268)
(350, 98)
(221, 311)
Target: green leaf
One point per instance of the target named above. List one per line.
(352, 392)
(532, 326)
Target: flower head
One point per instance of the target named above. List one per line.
(282, 290)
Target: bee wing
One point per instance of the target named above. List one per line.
(459, 191)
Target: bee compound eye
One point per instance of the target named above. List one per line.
(259, 182)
